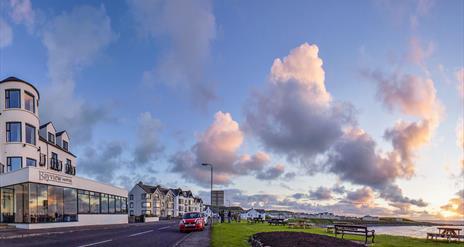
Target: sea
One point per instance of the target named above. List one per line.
(412, 231)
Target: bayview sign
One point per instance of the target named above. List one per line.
(50, 177)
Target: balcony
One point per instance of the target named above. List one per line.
(69, 169)
(56, 165)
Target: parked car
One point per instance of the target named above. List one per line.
(192, 221)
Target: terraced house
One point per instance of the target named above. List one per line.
(161, 202)
(38, 183)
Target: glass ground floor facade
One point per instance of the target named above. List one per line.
(43, 203)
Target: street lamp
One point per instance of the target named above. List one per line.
(211, 195)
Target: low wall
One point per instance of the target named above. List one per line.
(83, 220)
(151, 219)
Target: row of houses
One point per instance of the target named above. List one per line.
(162, 202)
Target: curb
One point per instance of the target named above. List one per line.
(182, 239)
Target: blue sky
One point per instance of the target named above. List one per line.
(150, 88)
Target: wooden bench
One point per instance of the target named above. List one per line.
(277, 222)
(354, 230)
(301, 224)
(436, 236)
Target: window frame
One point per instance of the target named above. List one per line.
(8, 131)
(8, 162)
(31, 159)
(7, 98)
(48, 137)
(34, 133)
(33, 101)
(65, 145)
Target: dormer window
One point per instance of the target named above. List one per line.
(51, 137)
(29, 101)
(12, 98)
(65, 145)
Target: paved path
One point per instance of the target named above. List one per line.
(164, 233)
(197, 239)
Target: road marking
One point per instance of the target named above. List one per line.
(162, 228)
(101, 242)
(140, 233)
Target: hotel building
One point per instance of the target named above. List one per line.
(162, 202)
(38, 183)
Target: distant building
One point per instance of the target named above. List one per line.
(370, 218)
(253, 213)
(217, 198)
(325, 215)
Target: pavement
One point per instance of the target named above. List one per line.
(162, 233)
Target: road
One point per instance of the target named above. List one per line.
(160, 234)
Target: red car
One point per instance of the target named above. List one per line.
(192, 221)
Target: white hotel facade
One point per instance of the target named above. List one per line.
(38, 183)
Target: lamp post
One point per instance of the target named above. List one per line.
(211, 195)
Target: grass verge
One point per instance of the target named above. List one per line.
(237, 234)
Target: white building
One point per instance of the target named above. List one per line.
(184, 202)
(370, 218)
(38, 186)
(325, 215)
(151, 201)
(253, 214)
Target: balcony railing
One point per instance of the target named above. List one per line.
(71, 170)
(56, 165)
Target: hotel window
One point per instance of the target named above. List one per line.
(118, 204)
(31, 162)
(131, 197)
(51, 137)
(111, 207)
(30, 134)
(65, 145)
(70, 205)
(124, 205)
(13, 98)
(13, 163)
(131, 205)
(146, 212)
(132, 213)
(13, 131)
(94, 203)
(104, 203)
(29, 100)
(84, 201)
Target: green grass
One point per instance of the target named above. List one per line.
(237, 234)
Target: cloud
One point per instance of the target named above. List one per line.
(6, 34)
(460, 80)
(455, 205)
(460, 140)
(410, 94)
(22, 12)
(271, 173)
(320, 193)
(73, 40)
(417, 53)
(190, 28)
(219, 145)
(362, 196)
(295, 115)
(102, 163)
(394, 194)
(148, 146)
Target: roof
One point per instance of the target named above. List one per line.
(12, 78)
(261, 211)
(60, 133)
(46, 124)
(56, 145)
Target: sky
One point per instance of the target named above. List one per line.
(349, 107)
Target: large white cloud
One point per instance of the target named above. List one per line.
(6, 34)
(73, 41)
(190, 28)
(219, 145)
(148, 146)
(295, 115)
